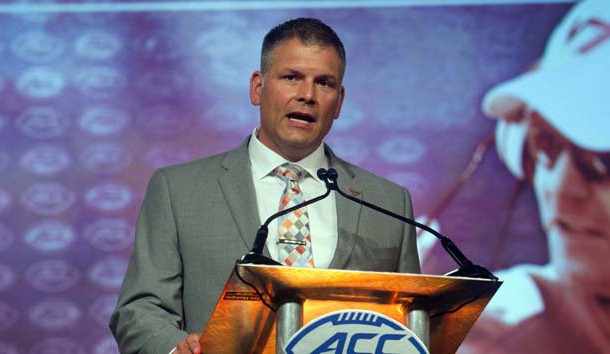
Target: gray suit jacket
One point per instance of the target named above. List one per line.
(198, 218)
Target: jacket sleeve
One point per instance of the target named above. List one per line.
(409, 258)
(149, 312)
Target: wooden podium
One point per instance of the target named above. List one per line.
(440, 310)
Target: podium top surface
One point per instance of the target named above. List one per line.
(241, 318)
(363, 286)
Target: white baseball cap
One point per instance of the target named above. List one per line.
(571, 86)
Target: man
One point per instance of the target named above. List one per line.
(554, 132)
(199, 217)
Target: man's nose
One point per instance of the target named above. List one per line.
(307, 92)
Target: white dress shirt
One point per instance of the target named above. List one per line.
(269, 190)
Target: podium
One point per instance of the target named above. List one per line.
(440, 310)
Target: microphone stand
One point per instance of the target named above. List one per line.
(255, 256)
(466, 267)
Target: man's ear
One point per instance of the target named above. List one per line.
(256, 84)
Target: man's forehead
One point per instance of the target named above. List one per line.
(297, 42)
(289, 50)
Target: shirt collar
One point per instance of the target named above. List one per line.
(264, 160)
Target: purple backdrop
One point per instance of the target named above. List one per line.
(91, 103)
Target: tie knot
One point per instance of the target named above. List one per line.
(289, 171)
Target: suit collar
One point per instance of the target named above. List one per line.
(348, 212)
(264, 160)
(238, 189)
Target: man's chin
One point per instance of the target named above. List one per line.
(300, 144)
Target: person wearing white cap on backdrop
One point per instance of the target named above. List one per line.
(554, 131)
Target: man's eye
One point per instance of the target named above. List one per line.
(327, 83)
(290, 77)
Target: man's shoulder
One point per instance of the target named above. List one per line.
(208, 165)
(371, 180)
(360, 174)
(207, 162)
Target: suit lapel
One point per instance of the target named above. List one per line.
(348, 212)
(238, 190)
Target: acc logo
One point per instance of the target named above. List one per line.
(37, 46)
(354, 331)
(108, 273)
(55, 314)
(45, 160)
(52, 276)
(42, 122)
(40, 82)
(354, 116)
(109, 196)
(106, 157)
(100, 81)
(97, 45)
(163, 84)
(401, 150)
(48, 199)
(159, 46)
(352, 148)
(110, 234)
(49, 236)
(163, 120)
(104, 120)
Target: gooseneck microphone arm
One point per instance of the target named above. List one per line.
(466, 267)
(330, 176)
(255, 256)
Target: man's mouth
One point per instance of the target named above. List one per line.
(301, 117)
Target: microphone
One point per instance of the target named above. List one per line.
(466, 267)
(255, 256)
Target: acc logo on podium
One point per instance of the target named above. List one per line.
(355, 332)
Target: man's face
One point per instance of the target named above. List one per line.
(299, 97)
(572, 187)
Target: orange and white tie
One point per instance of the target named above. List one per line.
(293, 228)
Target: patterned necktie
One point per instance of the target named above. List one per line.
(293, 228)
